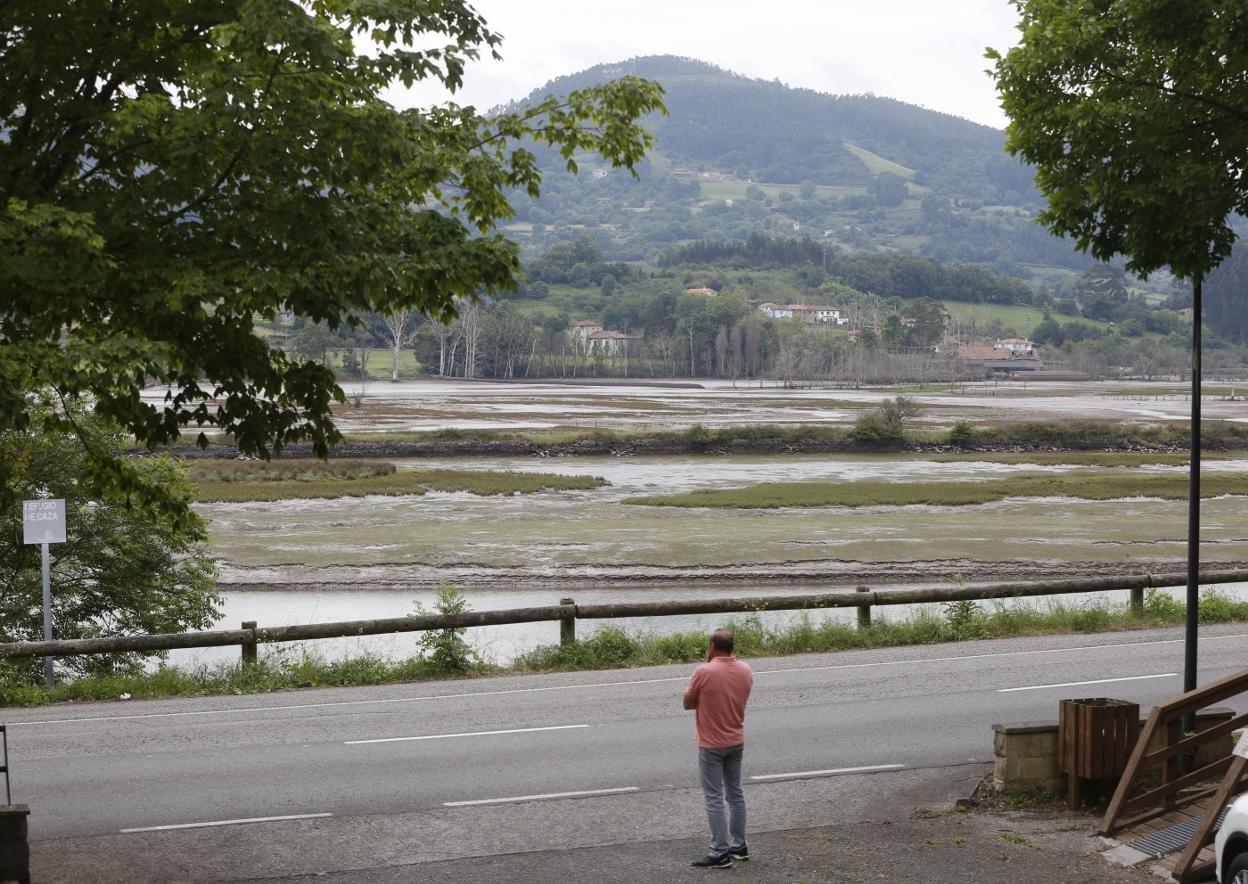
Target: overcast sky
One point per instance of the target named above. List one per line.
(927, 52)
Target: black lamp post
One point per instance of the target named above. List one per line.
(1193, 517)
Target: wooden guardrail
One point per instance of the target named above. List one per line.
(1162, 744)
(568, 612)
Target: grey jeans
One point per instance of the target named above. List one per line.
(721, 776)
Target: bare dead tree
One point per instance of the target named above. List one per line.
(443, 333)
(470, 330)
(400, 330)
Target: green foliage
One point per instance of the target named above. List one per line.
(870, 431)
(1135, 115)
(965, 619)
(1162, 607)
(123, 569)
(219, 162)
(962, 434)
(1218, 607)
(1026, 800)
(607, 648)
(886, 275)
(445, 649)
(890, 189)
(700, 438)
(887, 426)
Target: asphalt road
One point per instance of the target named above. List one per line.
(106, 768)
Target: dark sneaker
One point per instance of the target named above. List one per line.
(711, 861)
(742, 854)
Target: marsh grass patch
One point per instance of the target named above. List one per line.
(1071, 458)
(252, 481)
(223, 471)
(1091, 486)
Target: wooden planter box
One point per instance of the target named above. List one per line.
(1095, 737)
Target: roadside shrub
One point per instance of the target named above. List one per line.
(611, 646)
(680, 647)
(1161, 607)
(16, 688)
(965, 619)
(1218, 607)
(445, 649)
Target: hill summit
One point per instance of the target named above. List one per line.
(737, 156)
(764, 130)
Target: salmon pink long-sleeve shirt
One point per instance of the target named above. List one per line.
(721, 688)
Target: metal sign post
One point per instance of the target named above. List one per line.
(43, 522)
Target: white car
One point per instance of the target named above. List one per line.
(1232, 844)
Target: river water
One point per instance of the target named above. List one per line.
(500, 644)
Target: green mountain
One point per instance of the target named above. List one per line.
(858, 172)
(770, 132)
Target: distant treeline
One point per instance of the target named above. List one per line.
(886, 275)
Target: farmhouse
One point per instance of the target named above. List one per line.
(613, 343)
(582, 330)
(591, 337)
(805, 312)
(998, 359)
(1017, 346)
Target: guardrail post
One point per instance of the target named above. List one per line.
(249, 648)
(864, 610)
(567, 625)
(1137, 601)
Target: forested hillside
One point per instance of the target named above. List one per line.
(738, 156)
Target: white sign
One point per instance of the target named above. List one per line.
(43, 521)
(1241, 748)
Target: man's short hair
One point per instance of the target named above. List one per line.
(721, 640)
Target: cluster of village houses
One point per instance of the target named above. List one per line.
(1006, 354)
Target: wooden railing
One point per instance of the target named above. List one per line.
(1161, 746)
(568, 612)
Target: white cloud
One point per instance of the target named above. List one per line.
(925, 52)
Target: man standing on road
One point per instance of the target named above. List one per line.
(718, 692)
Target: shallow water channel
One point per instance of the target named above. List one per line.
(500, 644)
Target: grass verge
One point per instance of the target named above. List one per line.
(612, 647)
(1100, 486)
(403, 482)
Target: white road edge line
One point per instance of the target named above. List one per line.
(1075, 684)
(548, 796)
(828, 773)
(517, 730)
(255, 819)
(605, 684)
